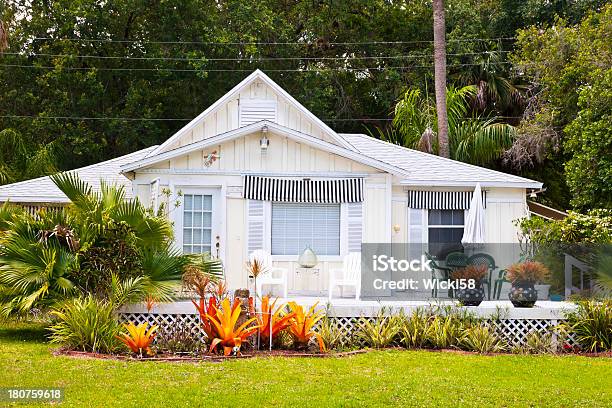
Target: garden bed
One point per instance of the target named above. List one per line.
(282, 353)
(204, 357)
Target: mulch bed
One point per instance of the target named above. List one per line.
(275, 353)
(203, 357)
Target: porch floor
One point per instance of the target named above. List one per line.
(350, 307)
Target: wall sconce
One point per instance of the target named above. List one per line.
(264, 142)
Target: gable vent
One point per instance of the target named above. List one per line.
(254, 110)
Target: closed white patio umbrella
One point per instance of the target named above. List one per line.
(474, 231)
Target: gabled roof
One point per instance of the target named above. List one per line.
(429, 170)
(272, 127)
(43, 190)
(256, 75)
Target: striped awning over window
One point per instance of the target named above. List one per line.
(303, 190)
(442, 200)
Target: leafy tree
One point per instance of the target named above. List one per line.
(570, 67)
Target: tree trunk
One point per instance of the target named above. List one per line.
(439, 27)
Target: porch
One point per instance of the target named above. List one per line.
(352, 308)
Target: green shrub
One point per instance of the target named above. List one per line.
(538, 343)
(86, 324)
(591, 325)
(330, 334)
(380, 332)
(446, 327)
(482, 339)
(414, 330)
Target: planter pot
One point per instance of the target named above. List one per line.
(523, 294)
(470, 297)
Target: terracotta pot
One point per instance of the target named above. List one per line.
(470, 297)
(523, 294)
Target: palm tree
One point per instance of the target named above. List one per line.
(495, 90)
(475, 140)
(3, 36)
(100, 244)
(439, 29)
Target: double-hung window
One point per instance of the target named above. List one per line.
(445, 230)
(296, 226)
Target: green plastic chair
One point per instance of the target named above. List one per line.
(484, 259)
(456, 259)
(444, 274)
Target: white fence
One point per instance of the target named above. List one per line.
(511, 329)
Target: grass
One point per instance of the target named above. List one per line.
(381, 378)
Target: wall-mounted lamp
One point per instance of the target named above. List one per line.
(264, 142)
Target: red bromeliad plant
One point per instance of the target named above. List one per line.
(138, 338)
(278, 318)
(223, 323)
(303, 324)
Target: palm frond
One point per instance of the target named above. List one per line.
(78, 192)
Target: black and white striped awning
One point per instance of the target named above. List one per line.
(442, 200)
(303, 190)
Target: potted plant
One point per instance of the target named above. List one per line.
(476, 274)
(523, 276)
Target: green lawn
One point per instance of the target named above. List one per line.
(384, 378)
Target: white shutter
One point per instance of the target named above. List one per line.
(255, 225)
(417, 226)
(354, 226)
(154, 195)
(254, 110)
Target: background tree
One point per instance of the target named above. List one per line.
(477, 140)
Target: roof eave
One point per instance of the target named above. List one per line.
(528, 184)
(341, 151)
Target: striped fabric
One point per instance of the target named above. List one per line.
(442, 200)
(292, 190)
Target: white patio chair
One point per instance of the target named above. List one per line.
(349, 275)
(272, 275)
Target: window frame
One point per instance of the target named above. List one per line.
(293, 257)
(444, 226)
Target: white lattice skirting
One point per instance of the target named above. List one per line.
(513, 331)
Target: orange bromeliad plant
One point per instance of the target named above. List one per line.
(224, 321)
(138, 338)
(204, 310)
(302, 325)
(279, 319)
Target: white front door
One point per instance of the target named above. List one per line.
(197, 224)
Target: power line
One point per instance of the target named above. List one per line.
(302, 70)
(250, 60)
(102, 118)
(302, 43)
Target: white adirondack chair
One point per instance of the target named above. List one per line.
(272, 275)
(349, 275)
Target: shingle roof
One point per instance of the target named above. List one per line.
(425, 168)
(43, 190)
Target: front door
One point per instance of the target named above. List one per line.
(198, 222)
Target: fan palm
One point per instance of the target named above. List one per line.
(55, 255)
(475, 140)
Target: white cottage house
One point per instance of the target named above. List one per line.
(258, 171)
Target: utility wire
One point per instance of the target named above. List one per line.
(303, 70)
(102, 118)
(105, 40)
(249, 59)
